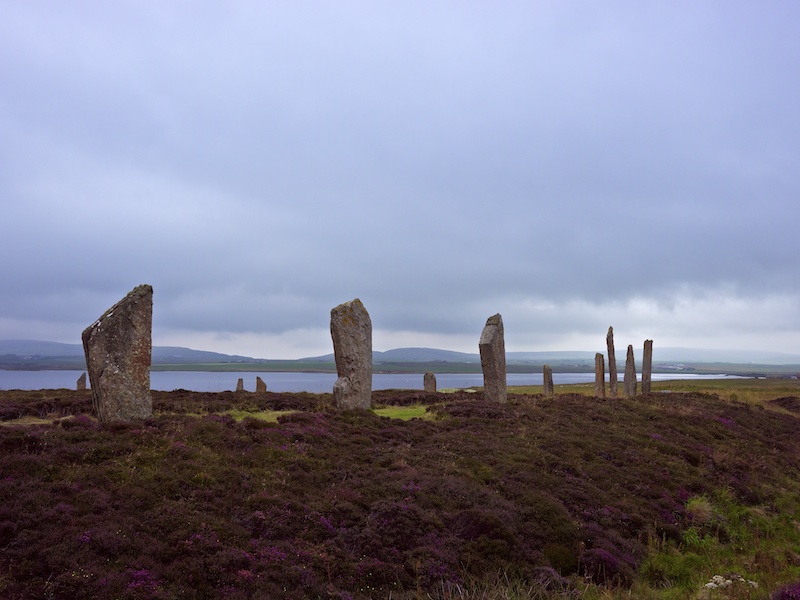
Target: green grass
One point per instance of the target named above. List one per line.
(744, 390)
(404, 413)
(417, 411)
(270, 416)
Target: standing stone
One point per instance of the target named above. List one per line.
(351, 330)
(81, 385)
(118, 348)
(612, 363)
(492, 347)
(260, 385)
(599, 376)
(240, 385)
(630, 375)
(547, 380)
(647, 366)
(429, 382)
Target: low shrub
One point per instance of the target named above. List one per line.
(326, 503)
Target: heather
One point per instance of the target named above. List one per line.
(560, 497)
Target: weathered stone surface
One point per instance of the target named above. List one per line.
(118, 348)
(547, 380)
(492, 348)
(81, 384)
(260, 385)
(351, 330)
(647, 366)
(240, 385)
(429, 382)
(612, 364)
(630, 375)
(599, 376)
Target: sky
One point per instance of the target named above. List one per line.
(571, 165)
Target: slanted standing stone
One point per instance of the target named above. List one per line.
(429, 382)
(118, 349)
(630, 375)
(599, 376)
(492, 347)
(81, 385)
(260, 385)
(547, 380)
(647, 366)
(351, 330)
(240, 385)
(612, 364)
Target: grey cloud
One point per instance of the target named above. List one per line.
(260, 163)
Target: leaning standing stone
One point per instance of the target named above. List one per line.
(81, 384)
(612, 364)
(260, 385)
(351, 330)
(647, 366)
(630, 374)
(118, 349)
(547, 380)
(599, 376)
(429, 382)
(492, 347)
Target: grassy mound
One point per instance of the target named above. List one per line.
(538, 498)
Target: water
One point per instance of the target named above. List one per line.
(208, 381)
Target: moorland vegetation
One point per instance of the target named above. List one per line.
(687, 494)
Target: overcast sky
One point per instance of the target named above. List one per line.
(570, 165)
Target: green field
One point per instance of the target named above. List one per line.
(749, 389)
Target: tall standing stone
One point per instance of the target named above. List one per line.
(429, 382)
(599, 376)
(492, 348)
(240, 385)
(351, 330)
(647, 366)
(547, 380)
(118, 348)
(612, 363)
(261, 387)
(630, 375)
(81, 383)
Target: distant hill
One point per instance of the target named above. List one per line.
(698, 355)
(39, 348)
(34, 354)
(406, 355)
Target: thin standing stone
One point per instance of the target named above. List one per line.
(647, 366)
(630, 375)
(260, 385)
(547, 380)
(240, 385)
(351, 330)
(118, 348)
(612, 363)
(599, 376)
(429, 382)
(492, 348)
(81, 385)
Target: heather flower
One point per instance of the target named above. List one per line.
(142, 579)
(788, 592)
